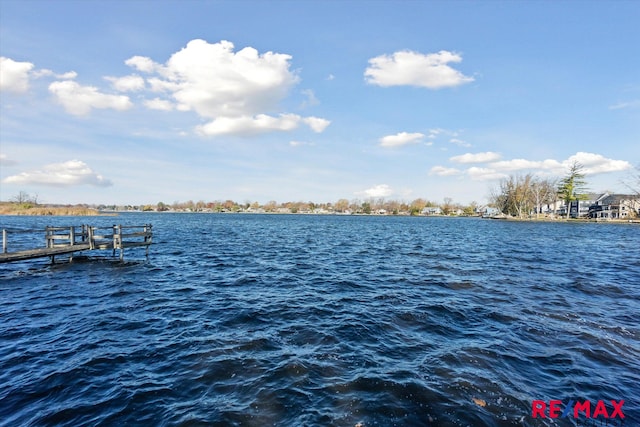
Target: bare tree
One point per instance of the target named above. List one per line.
(341, 205)
(447, 206)
(633, 182)
(21, 197)
(417, 206)
(544, 192)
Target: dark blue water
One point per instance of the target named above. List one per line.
(259, 320)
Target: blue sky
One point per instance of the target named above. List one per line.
(132, 102)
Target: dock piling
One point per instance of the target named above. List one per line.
(63, 241)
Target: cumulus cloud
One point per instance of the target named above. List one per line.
(408, 68)
(484, 174)
(593, 164)
(159, 104)
(141, 63)
(524, 164)
(399, 139)
(597, 163)
(131, 83)
(488, 156)
(444, 171)
(262, 123)
(237, 91)
(381, 190)
(14, 75)
(47, 73)
(80, 100)
(316, 124)
(72, 172)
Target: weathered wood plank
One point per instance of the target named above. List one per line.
(88, 241)
(42, 252)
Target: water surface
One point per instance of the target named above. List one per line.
(295, 320)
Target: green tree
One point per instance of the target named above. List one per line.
(573, 186)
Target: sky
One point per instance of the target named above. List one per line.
(140, 102)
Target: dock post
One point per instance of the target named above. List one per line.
(92, 242)
(115, 241)
(72, 240)
(120, 242)
(147, 230)
(4, 241)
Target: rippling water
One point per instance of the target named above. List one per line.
(259, 320)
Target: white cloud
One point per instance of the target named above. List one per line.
(416, 69)
(400, 139)
(593, 164)
(300, 143)
(381, 190)
(311, 98)
(131, 83)
(47, 73)
(72, 172)
(237, 91)
(159, 104)
(484, 174)
(524, 164)
(459, 142)
(625, 104)
(80, 100)
(596, 163)
(433, 133)
(444, 171)
(67, 76)
(141, 63)
(317, 124)
(488, 156)
(14, 75)
(262, 123)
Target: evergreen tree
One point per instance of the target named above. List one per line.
(573, 186)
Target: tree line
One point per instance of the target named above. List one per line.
(355, 206)
(521, 195)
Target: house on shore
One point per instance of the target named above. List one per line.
(615, 206)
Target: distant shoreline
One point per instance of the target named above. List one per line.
(17, 209)
(27, 209)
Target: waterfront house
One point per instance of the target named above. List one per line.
(615, 206)
(432, 210)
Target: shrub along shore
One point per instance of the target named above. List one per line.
(10, 208)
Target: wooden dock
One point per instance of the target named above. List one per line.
(72, 239)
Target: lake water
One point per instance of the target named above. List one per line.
(292, 320)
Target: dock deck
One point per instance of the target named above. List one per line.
(72, 239)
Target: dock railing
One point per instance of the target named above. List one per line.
(71, 239)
